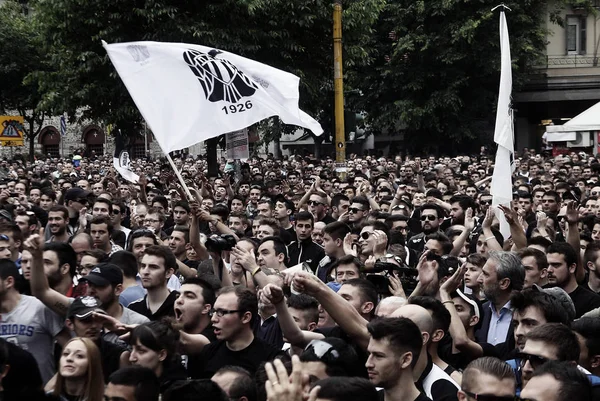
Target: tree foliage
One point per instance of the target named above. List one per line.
(293, 35)
(22, 58)
(440, 80)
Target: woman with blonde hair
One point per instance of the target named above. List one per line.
(79, 375)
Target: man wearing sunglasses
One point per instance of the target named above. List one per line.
(431, 219)
(558, 381)
(549, 342)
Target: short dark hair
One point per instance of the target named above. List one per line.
(439, 314)
(103, 220)
(182, 204)
(563, 248)
(8, 268)
(347, 389)
(539, 256)
(162, 200)
(574, 384)
(337, 230)
(550, 307)
(588, 328)
(305, 303)
(147, 386)
(442, 239)
(305, 216)
(553, 194)
(189, 390)
(220, 210)
(368, 291)
(164, 252)
(126, 261)
(60, 209)
(402, 334)
(140, 233)
(65, 254)
(279, 247)
(247, 301)
(363, 201)
(242, 386)
(106, 202)
(337, 199)
(208, 291)
(559, 336)
(431, 206)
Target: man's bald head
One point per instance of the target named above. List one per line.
(419, 315)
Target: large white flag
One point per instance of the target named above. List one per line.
(189, 93)
(501, 187)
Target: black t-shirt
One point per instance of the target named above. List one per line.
(111, 357)
(166, 309)
(459, 361)
(585, 300)
(216, 355)
(23, 377)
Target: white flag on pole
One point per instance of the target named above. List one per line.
(501, 187)
(190, 93)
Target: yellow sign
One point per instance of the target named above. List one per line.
(12, 131)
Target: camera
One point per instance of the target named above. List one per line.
(220, 243)
(407, 276)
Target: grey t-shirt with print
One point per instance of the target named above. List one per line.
(32, 326)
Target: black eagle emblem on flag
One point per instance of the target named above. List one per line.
(219, 78)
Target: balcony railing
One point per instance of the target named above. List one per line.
(570, 61)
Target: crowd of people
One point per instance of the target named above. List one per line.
(277, 280)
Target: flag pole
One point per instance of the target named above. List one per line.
(181, 181)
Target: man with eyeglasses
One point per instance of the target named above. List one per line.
(75, 200)
(232, 317)
(487, 379)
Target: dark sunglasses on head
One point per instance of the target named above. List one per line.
(429, 217)
(354, 210)
(4, 237)
(491, 397)
(534, 360)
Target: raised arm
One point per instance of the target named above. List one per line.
(292, 333)
(200, 249)
(459, 242)
(40, 288)
(460, 339)
(516, 230)
(488, 235)
(573, 239)
(340, 310)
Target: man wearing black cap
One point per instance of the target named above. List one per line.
(84, 318)
(105, 283)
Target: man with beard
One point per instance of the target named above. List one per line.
(562, 266)
(459, 204)
(58, 223)
(394, 349)
(233, 316)
(26, 322)
(431, 219)
(502, 274)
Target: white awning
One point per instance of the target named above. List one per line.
(561, 136)
(589, 120)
